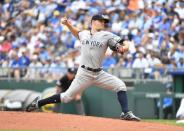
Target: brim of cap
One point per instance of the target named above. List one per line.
(72, 72)
(106, 20)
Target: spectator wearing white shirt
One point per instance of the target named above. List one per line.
(153, 60)
(140, 62)
(180, 9)
(34, 69)
(141, 65)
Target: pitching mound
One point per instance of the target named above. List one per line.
(66, 122)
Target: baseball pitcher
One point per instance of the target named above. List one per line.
(90, 72)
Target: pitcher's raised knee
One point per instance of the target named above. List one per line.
(121, 87)
(65, 98)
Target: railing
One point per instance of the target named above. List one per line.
(52, 73)
(30, 73)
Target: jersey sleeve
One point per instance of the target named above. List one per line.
(113, 41)
(81, 34)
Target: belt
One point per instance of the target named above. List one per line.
(91, 69)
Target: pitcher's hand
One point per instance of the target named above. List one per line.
(64, 21)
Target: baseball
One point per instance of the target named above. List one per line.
(64, 20)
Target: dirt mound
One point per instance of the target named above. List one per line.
(66, 122)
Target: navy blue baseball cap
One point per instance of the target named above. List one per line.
(72, 70)
(101, 17)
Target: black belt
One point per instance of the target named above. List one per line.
(91, 69)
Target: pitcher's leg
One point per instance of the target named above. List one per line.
(77, 85)
(108, 81)
(36, 103)
(80, 83)
(49, 100)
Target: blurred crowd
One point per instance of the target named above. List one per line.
(31, 34)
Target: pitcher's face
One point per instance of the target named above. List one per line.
(98, 24)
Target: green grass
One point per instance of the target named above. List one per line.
(170, 122)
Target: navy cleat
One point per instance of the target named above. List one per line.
(33, 105)
(129, 116)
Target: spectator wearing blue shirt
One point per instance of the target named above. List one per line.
(15, 65)
(55, 19)
(180, 64)
(61, 6)
(44, 54)
(136, 36)
(166, 25)
(172, 64)
(54, 38)
(129, 61)
(109, 61)
(179, 53)
(15, 62)
(24, 60)
(167, 103)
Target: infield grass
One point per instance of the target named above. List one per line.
(169, 122)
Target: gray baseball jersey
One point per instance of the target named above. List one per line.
(92, 54)
(94, 47)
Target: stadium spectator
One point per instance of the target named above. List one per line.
(24, 59)
(126, 62)
(109, 62)
(34, 69)
(16, 65)
(167, 103)
(140, 62)
(180, 64)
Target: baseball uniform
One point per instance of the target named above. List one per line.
(90, 70)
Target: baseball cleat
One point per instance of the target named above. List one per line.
(33, 105)
(129, 116)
